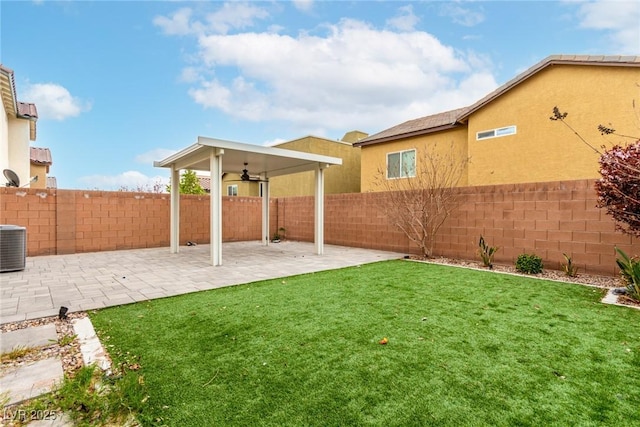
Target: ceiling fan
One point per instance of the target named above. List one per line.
(245, 177)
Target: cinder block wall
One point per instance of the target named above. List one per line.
(547, 219)
(70, 221)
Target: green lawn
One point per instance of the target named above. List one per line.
(465, 348)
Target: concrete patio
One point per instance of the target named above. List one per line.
(102, 279)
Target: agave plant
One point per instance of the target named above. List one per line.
(486, 252)
(630, 272)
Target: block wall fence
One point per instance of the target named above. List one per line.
(547, 219)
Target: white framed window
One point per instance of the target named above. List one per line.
(495, 133)
(232, 190)
(401, 164)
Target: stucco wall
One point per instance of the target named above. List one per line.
(337, 179)
(41, 172)
(4, 141)
(545, 150)
(374, 157)
(19, 157)
(542, 150)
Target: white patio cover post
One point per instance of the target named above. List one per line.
(216, 205)
(268, 162)
(265, 211)
(319, 211)
(174, 237)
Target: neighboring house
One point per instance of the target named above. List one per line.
(337, 179)
(40, 162)
(508, 135)
(233, 185)
(17, 129)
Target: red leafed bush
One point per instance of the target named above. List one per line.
(619, 188)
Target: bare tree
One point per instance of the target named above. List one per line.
(423, 194)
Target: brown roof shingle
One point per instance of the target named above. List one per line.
(428, 124)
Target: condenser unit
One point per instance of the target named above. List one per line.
(13, 247)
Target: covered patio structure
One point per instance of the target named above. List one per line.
(218, 157)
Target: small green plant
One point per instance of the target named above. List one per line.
(569, 268)
(529, 264)
(66, 340)
(486, 252)
(278, 235)
(630, 272)
(16, 353)
(91, 398)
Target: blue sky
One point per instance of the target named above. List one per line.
(119, 84)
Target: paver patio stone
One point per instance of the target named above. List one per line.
(95, 280)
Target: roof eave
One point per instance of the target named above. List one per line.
(535, 69)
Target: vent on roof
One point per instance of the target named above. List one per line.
(13, 247)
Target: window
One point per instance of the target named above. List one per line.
(401, 164)
(232, 190)
(494, 133)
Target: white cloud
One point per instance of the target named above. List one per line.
(405, 21)
(356, 74)
(235, 15)
(130, 181)
(190, 75)
(619, 19)
(179, 23)
(303, 5)
(154, 155)
(462, 16)
(54, 101)
(352, 76)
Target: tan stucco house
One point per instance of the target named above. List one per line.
(508, 135)
(17, 130)
(338, 179)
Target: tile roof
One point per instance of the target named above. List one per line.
(450, 119)
(40, 156)
(205, 183)
(27, 110)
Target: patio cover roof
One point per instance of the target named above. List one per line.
(220, 156)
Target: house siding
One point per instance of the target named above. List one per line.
(546, 150)
(343, 178)
(542, 150)
(374, 157)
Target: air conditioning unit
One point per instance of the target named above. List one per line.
(13, 247)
